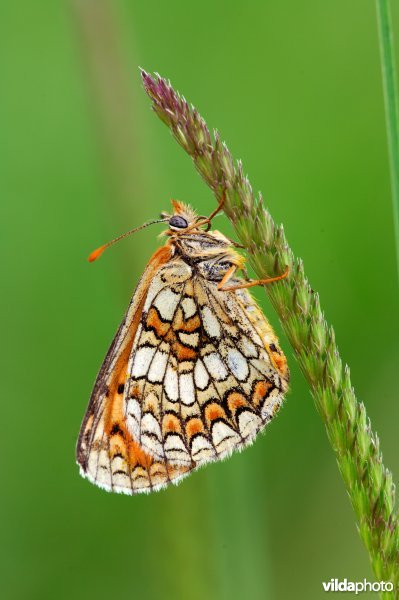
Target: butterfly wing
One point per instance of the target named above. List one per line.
(205, 374)
(106, 451)
(193, 374)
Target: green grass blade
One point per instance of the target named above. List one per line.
(389, 82)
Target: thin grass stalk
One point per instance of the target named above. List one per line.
(356, 446)
(391, 100)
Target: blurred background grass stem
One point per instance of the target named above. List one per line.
(390, 87)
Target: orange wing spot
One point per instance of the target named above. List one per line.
(194, 426)
(155, 322)
(190, 325)
(214, 411)
(158, 470)
(176, 471)
(135, 392)
(235, 400)
(261, 391)
(281, 362)
(150, 406)
(183, 352)
(137, 456)
(117, 448)
(171, 423)
(122, 442)
(189, 289)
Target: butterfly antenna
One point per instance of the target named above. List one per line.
(96, 253)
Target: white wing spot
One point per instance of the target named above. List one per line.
(189, 339)
(238, 364)
(120, 473)
(189, 308)
(249, 424)
(224, 437)
(133, 418)
(247, 347)
(104, 469)
(92, 463)
(142, 361)
(215, 366)
(272, 404)
(166, 303)
(201, 376)
(149, 424)
(170, 384)
(187, 395)
(153, 447)
(154, 288)
(263, 366)
(158, 366)
(202, 450)
(176, 451)
(210, 322)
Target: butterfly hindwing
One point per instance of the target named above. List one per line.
(205, 373)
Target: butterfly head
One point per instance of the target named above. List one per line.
(182, 218)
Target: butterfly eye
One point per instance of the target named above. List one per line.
(178, 222)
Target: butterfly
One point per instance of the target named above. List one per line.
(195, 370)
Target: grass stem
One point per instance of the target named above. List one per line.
(389, 82)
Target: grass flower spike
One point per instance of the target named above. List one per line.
(368, 482)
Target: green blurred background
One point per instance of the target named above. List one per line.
(295, 90)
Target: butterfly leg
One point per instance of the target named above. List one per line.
(219, 207)
(207, 220)
(247, 284)
(236, 244)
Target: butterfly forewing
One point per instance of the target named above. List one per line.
(106, 452)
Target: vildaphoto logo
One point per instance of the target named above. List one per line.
(335, 585)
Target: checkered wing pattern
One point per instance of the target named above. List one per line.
(193, 374)
(206, 373)
(106, 452)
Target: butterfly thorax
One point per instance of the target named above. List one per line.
(209, 253)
